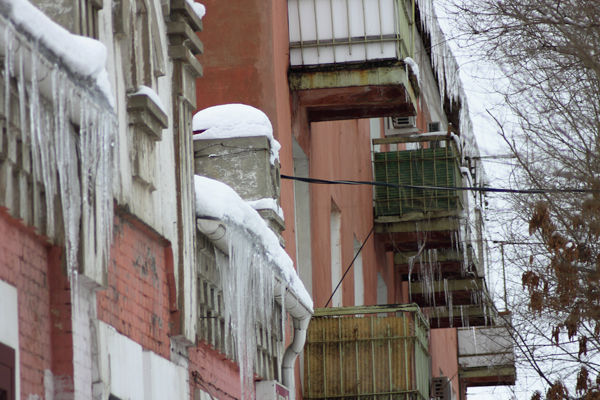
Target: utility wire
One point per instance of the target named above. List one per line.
(475, 189)
(350, 266)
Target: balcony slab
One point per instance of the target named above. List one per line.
(353, 92)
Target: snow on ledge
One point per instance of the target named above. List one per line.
(267, 204)
(414, 67)
(215, 199)
(82, 55)
(145, 90)
(233, 121)
(198, 8)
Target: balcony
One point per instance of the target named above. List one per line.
(344, 31)
(411, 215)
(347, 57)
(437, 167)
(363, 352)
(486, 356)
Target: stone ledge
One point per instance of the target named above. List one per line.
(182, 8)
(189, 38)
(147, 115)
(183, 53)
(274, 222)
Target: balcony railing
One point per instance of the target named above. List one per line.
(354, 352)
(486, 356)
(435, 167)
(344, 31)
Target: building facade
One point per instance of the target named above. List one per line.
(126, 273)
(369, 91)
(109, 288)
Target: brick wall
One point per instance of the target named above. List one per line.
(24, 263)
(212, 372)
(136, 302)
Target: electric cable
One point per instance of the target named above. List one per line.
(350, 266)
(447, 188)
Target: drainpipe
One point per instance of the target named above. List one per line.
(301, 318)
(215, 231)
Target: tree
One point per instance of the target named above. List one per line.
(549, 51)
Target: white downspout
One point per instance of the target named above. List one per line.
(301, 315)
(216, 231)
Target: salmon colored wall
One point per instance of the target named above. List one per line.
(341, 151)
(443, 347)
(245, 61)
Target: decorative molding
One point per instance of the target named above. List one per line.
(145, 114)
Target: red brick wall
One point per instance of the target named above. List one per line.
(136, 302)
(212, 372)
(24, 263)
(61, 324)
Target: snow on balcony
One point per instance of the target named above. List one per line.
(486, 356)
(343, 31)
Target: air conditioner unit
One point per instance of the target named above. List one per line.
(400, 125)
(441, 388)
(403, 122)
(271, 390)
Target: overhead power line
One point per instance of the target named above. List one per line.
(474, 189)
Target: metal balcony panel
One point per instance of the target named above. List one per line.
(367, 356)
(486, 356)
(342, 31)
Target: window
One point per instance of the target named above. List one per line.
(7, 373)
(336, 254)
(359, 284)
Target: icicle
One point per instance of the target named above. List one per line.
(450, 310)
(8, 39)
(247, 278)
(446, 289)
(22, 102)
(485, 314)
(283, 312)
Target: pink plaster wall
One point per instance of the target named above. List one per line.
(443, 347)
(340, 150)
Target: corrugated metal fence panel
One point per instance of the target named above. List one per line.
(325, 32)
(424, 167)
(365, 357)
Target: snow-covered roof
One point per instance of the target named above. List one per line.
(81, 55)
(216, 200)
(233, 121)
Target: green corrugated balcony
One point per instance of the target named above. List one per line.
(437, 167)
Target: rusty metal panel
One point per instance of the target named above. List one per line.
(367, 357)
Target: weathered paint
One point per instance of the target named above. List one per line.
(443, 347)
